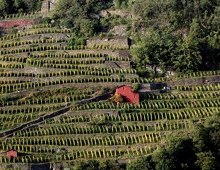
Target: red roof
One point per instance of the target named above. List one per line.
(127, 93)
(15, 23)
(12, 153)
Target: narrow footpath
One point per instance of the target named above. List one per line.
(54, 114)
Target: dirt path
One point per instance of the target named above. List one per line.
(34, 122)
(54, 114)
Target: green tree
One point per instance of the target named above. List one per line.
(3, 7)
(87, 27)
(18, 3)
(157, 48)
(69, 10)
(188, 55)
(206, 139)
(145, 163)
(31, 5)
(76, 39)
(146, 50)
(111, 165)
(89, 165)
(121, 3)
(178, 155)
(15, 6)
(206, 161)
(80, 15)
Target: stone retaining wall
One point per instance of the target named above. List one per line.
(121, 42)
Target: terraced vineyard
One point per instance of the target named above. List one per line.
(49, 111)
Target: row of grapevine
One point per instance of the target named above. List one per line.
(209, 87)
(107, 46)
(57, 129)
(88, 67)
(87, 140)
(78, 71)
(146, 115)
(74, 72)
(45, 25)
(54, 47)
(8, 88)
(183, 96)
(19, 15)
(16, 74)
(30, 42)
(5, 81)
(12, 66)
(49, 100)
(80, 55)
(30, 109)
(64, 55)
(215, 102)
(199, 74)
(13, 59)
(40, 63)
(16, 118)
(116, 58)
(85, 154)
(34, 32)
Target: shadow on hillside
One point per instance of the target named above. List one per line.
(40, 167)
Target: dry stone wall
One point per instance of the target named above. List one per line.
(121, 42)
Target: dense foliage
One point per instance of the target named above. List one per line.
(19, 6)
(180, 34)
(80, 15)
(96, 165)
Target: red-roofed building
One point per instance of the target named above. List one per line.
(128, 95)
(12, 153)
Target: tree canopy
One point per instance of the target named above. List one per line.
(80, 15)
(183, 35)
(18, 6)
